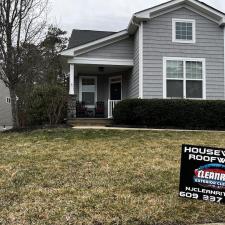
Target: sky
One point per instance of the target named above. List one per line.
(107, 15)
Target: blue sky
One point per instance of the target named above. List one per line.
(109, 15)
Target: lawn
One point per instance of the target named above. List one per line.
(65, 176)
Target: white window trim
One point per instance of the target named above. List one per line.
(110, 82)
(80, 89)
(174, 20)
(8, 100)
(165, 59)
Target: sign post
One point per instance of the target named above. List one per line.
(202, 175)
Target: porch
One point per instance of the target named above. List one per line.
(96, 87)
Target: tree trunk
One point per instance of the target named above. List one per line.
(14, 107)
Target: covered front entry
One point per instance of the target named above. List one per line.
(97, 88)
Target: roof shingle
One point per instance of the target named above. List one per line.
(80, 37)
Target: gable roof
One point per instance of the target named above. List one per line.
(171, 1)
(80, 37)
(86, 40)
(200, 7)
(115, 37)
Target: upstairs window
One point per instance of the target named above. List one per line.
(183, 31)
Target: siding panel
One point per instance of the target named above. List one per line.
(158, 44)
(119, 50)
(5, 108)
(133, 78)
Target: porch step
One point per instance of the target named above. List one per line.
(89, 122)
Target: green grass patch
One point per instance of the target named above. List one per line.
(90, 177)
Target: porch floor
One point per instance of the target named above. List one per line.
(89, 122)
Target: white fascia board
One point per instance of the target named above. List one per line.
(70, 52)
(102, 61)
(141, 64)
(172, 5)
(147, 12)
(222, 22)
(207, 8)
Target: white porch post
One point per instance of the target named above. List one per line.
(71, 81)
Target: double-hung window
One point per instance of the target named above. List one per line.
(88, 90)
(184, 78)
(184, 30)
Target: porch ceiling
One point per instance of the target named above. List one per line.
(94, 69)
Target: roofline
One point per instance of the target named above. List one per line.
(179, 1)
(112, 32)
(118, 35)
(153, 7)
(136, 18)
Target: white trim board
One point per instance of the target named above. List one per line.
(165, 59)
(195, 6)
(141, 65)
(71, 80)
(192, 3)
(102, 61)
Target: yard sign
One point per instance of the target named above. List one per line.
(202, 174)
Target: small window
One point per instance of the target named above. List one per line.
(8, 100)
(183, 31)
(88, 86)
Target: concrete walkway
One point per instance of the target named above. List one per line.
(140, 129)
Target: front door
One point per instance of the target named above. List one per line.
(115, 89)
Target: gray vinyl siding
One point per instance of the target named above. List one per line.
(119, 50)
(133, 78)
(5, 108)
(158, 43)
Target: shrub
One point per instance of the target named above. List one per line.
(187, 114)
(46, 104)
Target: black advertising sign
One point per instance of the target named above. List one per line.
(202, 174)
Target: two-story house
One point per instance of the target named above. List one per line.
(173, 50)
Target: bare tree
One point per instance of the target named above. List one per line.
(21, 22)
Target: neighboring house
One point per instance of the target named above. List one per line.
(5, 108)
(173, 50)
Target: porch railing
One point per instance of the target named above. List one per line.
(111, 106)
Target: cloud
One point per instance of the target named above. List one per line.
(110, 15)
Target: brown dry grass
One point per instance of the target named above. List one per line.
(63, 176)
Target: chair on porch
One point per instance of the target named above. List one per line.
(81, 110)
(100, 109)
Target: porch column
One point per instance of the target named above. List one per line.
(71, 110)
(71, 86)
